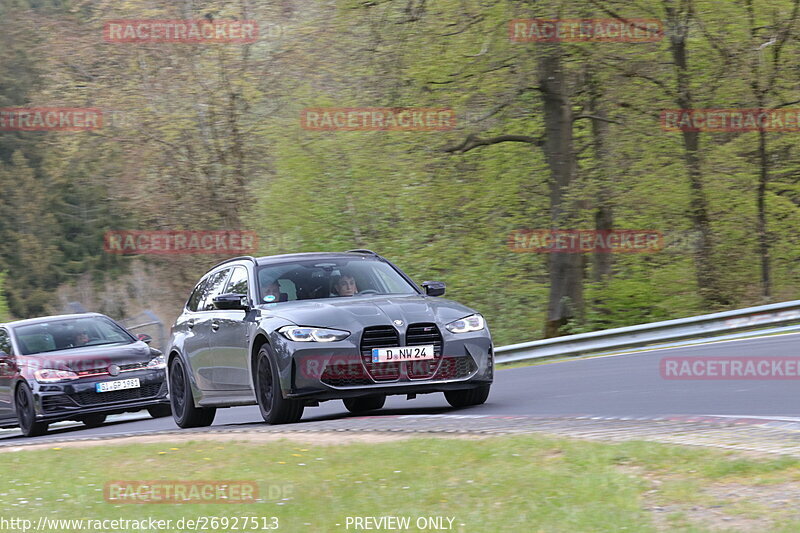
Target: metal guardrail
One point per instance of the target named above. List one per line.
(643, 335)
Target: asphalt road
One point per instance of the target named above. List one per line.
(613, 386)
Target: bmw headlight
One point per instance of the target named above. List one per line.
(304, 334)
(157, 363)
(53, 375)
(468, 323)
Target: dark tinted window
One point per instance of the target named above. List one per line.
(238, 282)
(5, 341)
(194, 299)
(63, 334)
(316, 278)
(213, 287)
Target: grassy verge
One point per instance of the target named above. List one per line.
(524, 483)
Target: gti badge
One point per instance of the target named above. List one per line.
(113, 370)
(398, 323)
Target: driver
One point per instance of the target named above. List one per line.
(271, 292)
(345, 286)
(81, 338)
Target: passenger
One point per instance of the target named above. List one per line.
(345, 286)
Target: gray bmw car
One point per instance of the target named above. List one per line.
(289, 331)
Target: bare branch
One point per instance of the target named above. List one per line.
(595, 117)
(473, 141)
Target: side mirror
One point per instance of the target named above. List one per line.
(145, 338)
(433, 288)
(231, 301)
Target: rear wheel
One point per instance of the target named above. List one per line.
(93, 421)
(274, 407)
(361, 405)
(159, 411)
(467, 397)
(26, 414)
(184, 412)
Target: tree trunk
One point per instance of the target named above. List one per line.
(706, 273)
(566, 273)
(604, 211)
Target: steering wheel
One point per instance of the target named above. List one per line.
(368, 291)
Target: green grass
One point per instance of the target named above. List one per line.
(524, 483)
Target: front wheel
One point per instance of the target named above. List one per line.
(274, 407)
(26, 414)
(159, 411)
(184, 412)
(467, 397)
(361, 405)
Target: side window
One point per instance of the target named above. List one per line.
(213, 287)
(5, 341)
(194, 299)
(238, 282)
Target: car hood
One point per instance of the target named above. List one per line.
(89, 357)
(357, 312)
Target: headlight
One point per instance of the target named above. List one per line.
(157, 363)
(51, 375)
(302, 334)
(465, 325)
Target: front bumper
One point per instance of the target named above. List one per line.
(326, 371)
(74, 399)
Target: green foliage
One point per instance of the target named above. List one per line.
(209, 137)
(4, 315)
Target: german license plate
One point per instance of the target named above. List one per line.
(109, 386)
(402, 353)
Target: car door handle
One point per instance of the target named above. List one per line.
(190, 323)
(214, 326)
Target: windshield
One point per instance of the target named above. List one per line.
(69, 333)
(328, 278)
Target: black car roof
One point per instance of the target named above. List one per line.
(40, 319)
(310, 255)
(270, 259)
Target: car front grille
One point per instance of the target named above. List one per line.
(417, 335)
(379, 337)
(104, 370)
(95, 398)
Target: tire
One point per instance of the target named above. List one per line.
(26, 414)
(159, 411)
(275, 409)
(93, 421)
(184, 412)
(468, 397)
(361, 405)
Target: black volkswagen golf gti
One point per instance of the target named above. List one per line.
(288, 331)
(76, 367)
